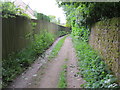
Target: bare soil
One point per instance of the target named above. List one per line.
(74, 80)
(25, 79)
(44, 73)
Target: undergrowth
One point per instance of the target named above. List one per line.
(62, 33)
(16, 63)
(92, 67)
(57, 47)
(62, 83)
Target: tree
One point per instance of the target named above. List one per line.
(41, 16)
(10, 10)
(87, 13)
(54, 19)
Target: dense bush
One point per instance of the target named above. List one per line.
(87, 13)
(92, 67)
(62, 33)
(18, 62)
(81, 16)
(41, 16)
(81, 33)
(42, 41)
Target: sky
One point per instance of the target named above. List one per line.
(47, 7)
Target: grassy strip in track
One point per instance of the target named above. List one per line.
(57, 47)
(93, 69)
(62, 83)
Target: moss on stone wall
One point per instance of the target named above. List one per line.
(105, 36)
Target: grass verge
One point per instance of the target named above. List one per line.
(62, 83)
(92, 68)
(57, 47)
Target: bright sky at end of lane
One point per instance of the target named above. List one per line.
(47, 7)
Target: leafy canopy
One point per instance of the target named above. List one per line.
(10, 10)
(87, 13)
(81, 16)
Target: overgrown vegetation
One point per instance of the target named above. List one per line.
(42, 42)
(57, 47)
(81, 33)
(62, 83)
(54, 19)
(62, 33)
(87, 13)
(10, 10)
(18, 62)
(80, 17)
(41, 16)
(49, 18)
(92, 67)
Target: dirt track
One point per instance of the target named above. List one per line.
(47, 76)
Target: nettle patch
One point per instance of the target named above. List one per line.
(92, 68)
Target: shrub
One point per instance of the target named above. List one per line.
(17, 62)
(62, 33)
(81, 33)
(42, 41)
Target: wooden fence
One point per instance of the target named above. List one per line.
(15, 30)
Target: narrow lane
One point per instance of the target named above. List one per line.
(47, 75)
(52, 71)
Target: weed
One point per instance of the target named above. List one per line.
(62, 33)
(66, 59)
(57, 48)
(42, 42)
(64, 67)
(93, 69)
(62, 80)
(16, 63)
